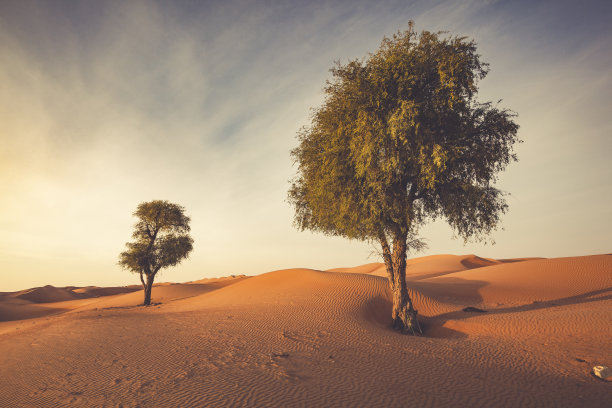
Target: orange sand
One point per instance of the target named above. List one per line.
(302, 337)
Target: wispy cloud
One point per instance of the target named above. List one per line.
(107, 104)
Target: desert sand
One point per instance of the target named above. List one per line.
(302, 337)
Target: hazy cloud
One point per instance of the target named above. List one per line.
(107, 104)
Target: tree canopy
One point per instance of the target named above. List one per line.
(401, 139)
(161, 239)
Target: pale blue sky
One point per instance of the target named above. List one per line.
(105, 104)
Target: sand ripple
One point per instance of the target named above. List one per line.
(302, 337)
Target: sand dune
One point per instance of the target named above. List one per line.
(50, 294)
(532, 281)
(46, 294)
(16, 307)
(49, 300)
(430, 266)
(376, 269)
(302, 337)
(94, 291)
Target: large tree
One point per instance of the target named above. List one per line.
(161, 239)
(399, 140)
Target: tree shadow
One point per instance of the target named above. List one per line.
(588, 297)
(428, 275)
(434, 329)
(449, 290)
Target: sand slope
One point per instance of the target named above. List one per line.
(302, 337)
(50, 300)
(431, 266)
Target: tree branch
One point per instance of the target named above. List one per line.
(412, 193)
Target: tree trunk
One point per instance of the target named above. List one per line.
(403, 314)
(147, 290)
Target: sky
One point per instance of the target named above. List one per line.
(107, 104)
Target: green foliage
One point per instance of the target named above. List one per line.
(400, 139)
(161, 238)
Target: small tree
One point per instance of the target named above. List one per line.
(161, 239)
(400, 139)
